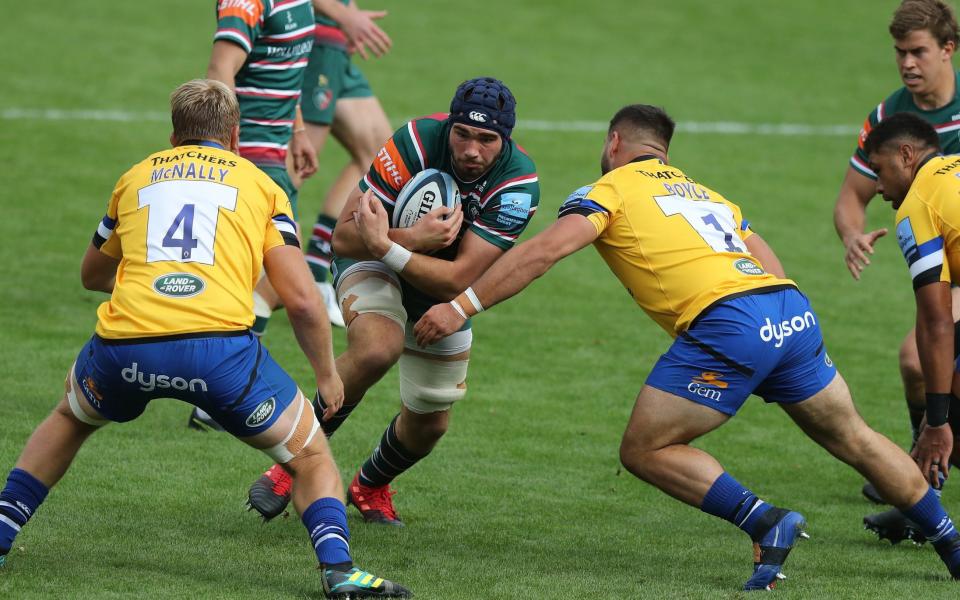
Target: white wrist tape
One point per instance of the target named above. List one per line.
(456, 306)
(396, 257)
(472, 296)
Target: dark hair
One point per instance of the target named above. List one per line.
(898, 127)
(934, 16)
(636, 119)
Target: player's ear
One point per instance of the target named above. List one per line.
(235, 139)
(173, 139)
(949, 48)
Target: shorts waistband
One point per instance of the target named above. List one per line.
(751, 292)
(173, 338)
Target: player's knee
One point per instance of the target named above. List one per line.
(378, 358)
(431, 386)
(300, 443)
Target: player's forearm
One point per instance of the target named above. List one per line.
(509, 275)
(935, 347)
(311, 326)
(439, 278)
(348, 243)
(849, 215)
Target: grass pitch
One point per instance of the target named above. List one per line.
(524, 497)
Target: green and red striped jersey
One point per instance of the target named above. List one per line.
(328, 32)
(946, 120)
(277, 36)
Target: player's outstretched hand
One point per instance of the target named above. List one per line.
(858, 247)
(437, 229)
(932, 452)
(330, 389)
(304, 155)
(437, 323)
(363, 34)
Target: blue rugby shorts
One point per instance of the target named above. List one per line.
(232, 377)
(768, 344)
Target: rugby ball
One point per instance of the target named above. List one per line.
(428, 190)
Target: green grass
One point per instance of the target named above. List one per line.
(524, 497)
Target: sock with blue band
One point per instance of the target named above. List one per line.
(729, 500)
(326, 522)
(19, 500)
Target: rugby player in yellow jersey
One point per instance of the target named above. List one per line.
(179, 251)
(689, 259)
(923, 187)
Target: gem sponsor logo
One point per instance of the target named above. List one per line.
(178, 285)
(151, 381)
(707, 385)
(262, 412)
(784, 329)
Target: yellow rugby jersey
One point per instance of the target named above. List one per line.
(676, 245)
(190, 226)
(928, 222)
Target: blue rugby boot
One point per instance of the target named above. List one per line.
(356, 583)
(949, 551)
(781, 531)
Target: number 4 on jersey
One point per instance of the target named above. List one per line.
(186, 242)
(182, 223)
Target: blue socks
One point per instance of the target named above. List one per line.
(729, 500)
(928, 513)
(326, 522)
(19, 499)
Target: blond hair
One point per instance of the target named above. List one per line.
(204, 109)
(934, 16)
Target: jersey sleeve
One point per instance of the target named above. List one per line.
(506, 211)
(859, 161)
(921, 241)
(239, 22)
(599, 203)
(104, 238)
(400, 158)
(282, 229)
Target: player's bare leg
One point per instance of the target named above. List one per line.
(655, 448)
(830, 419)
(374, 343)
(430, 383)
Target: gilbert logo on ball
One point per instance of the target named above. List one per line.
(428, 190)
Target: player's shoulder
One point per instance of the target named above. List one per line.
(518, 159)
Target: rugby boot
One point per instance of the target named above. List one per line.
(870, 493)
(949, 551)
(355, 583)
(893, 525)
(374, 503)
(770, 549)
(201, 421)
(270, 493)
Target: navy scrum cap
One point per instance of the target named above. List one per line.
(487, 103)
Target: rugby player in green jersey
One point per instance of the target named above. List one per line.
(260, 50)
(337, 99)
(381, 299)
(925, 35)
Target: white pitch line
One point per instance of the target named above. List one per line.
(714, 127)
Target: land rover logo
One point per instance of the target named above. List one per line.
(748, 267)
(263, 412)
(178, 285)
